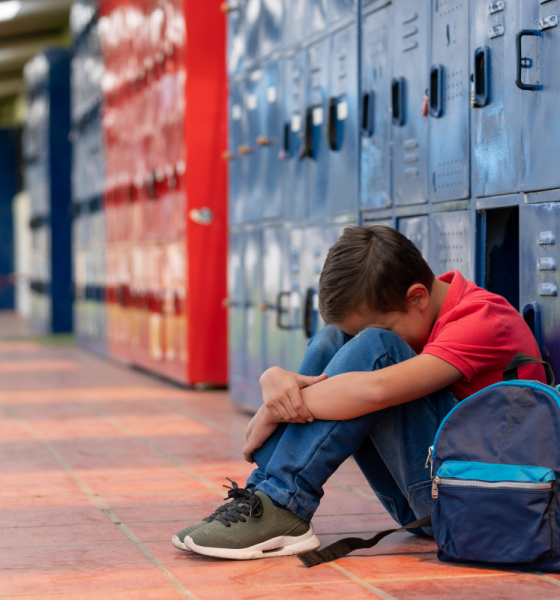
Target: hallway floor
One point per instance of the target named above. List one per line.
(100, 465)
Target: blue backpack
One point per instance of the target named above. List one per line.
(495, 464)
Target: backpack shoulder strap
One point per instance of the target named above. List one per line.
(343, 547)
(520, 360)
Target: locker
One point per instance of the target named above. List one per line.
(408, 87)
(495, 117)
(295, 21)
(341, 122)
(272, 25)
(236, 308)
(253, 37)
(539, 255)
(537, 58)
(449, 87)
(236, 37)
(375, 112)
(339, 8)
(269, 140)
(273, 279)
(315, 149)
(451, 243)
(236, 142)
(294, 173)
(316, 17)
(416, 230)
(253, 176)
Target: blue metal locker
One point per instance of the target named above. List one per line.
(449, 92)
(451, 243)
(294, 173)
(315, 150)
(236, 37)
(273, 280)
(272, 25)
(339, 8)
(270, 140)
(416, 230)
(253, 175)
(253, 37)
(236, 320)
(235, 154)
(537, 56)
(316, 17)
(9, 147)
(410, 34)
(495, 117)
(341, 122)
(294, 23)
(539, 254)
(375, 113)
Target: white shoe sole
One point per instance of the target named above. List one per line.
(178, 543)
(283, 545)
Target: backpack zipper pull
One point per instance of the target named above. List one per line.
(430, 462)
(435, 483)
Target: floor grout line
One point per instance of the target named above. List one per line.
(371, 588)
(100, 503)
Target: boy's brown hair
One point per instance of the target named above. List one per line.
(375, 266)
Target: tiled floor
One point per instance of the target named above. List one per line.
(100, 465)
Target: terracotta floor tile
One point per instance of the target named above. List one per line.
(75, 428)
(397, 543)
(157, 594)
(159, 532)
(191, 501)
(80, 579)
(167, 554)
(40, 557)
(43, 483)
(45, 517)
(236, 470)
(44, 502)
(504, 587)
(10, 429)
(9, 347)
(161, 425)
(196, 571)
(60, 535)
(333, 524)
(37, 365)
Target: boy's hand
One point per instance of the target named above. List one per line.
(281, 394)
(261, 427)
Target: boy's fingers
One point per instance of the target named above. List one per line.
(303, 415)
(306, 380)
(279, 407)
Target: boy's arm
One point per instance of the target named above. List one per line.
(351, 395)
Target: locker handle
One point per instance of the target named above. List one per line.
(531, 315)
(280, 310)
(331, 128)
(481, 79)
(518, 37)
(367, 113)
(306, 150)
(287, 146)
(397, 101)
(308, 313)
(436, 91)
(263, 140)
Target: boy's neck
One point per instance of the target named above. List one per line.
(438, 294)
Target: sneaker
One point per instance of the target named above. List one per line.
(253, 527)
(178, 540)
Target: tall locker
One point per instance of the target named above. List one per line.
(236, 321)
(495, 117)
(235, 154)
(272, 21)
(539, 255)
(409, 84)
(253, 37)
(294, 22)
(375, 111)
(416, 230)
(451, 243)
(235, 36)
(341, 122)
(340, 8)
(317, 15)
(9, 146)
(449, 87)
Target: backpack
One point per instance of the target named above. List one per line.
(495, 467)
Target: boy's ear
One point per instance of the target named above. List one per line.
(418, 296)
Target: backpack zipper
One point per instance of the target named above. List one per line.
(511, 485)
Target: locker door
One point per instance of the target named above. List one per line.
(237, 160)
(341, 122)
(272, 20)
(495, 118)
(270, 140)
(236, 38)
(236, 306)
(408, 87)
(252, 164)
(295, 22)
(315, 142)
(338, 8)
(416, 230)
(252, 257)
(539, 110)
(375, 117)
(449, 87)
(539, 255)
(294, 174)
(316, 17)
(272, 277)
(451, 244)
(253, 10)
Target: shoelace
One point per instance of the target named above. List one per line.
(244, 504)
(233, 494)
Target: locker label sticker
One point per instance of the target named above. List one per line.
(549, 289)
(547, 237)
(548, 22)
(497, 6)
(547, 263)
(342, 110)
(236, 112)
(251, 101)
(271, 94)
(318, 115)
(296, 123)
(496, 31)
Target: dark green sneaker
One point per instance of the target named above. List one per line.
(253, 527)
(178, 540)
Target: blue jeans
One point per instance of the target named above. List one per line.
(390, 446)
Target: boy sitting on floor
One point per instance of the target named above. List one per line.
(402, 349)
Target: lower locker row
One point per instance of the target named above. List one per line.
(274, 271)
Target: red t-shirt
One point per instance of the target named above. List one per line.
(479, 333)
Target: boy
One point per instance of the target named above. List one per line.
(402, 349)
